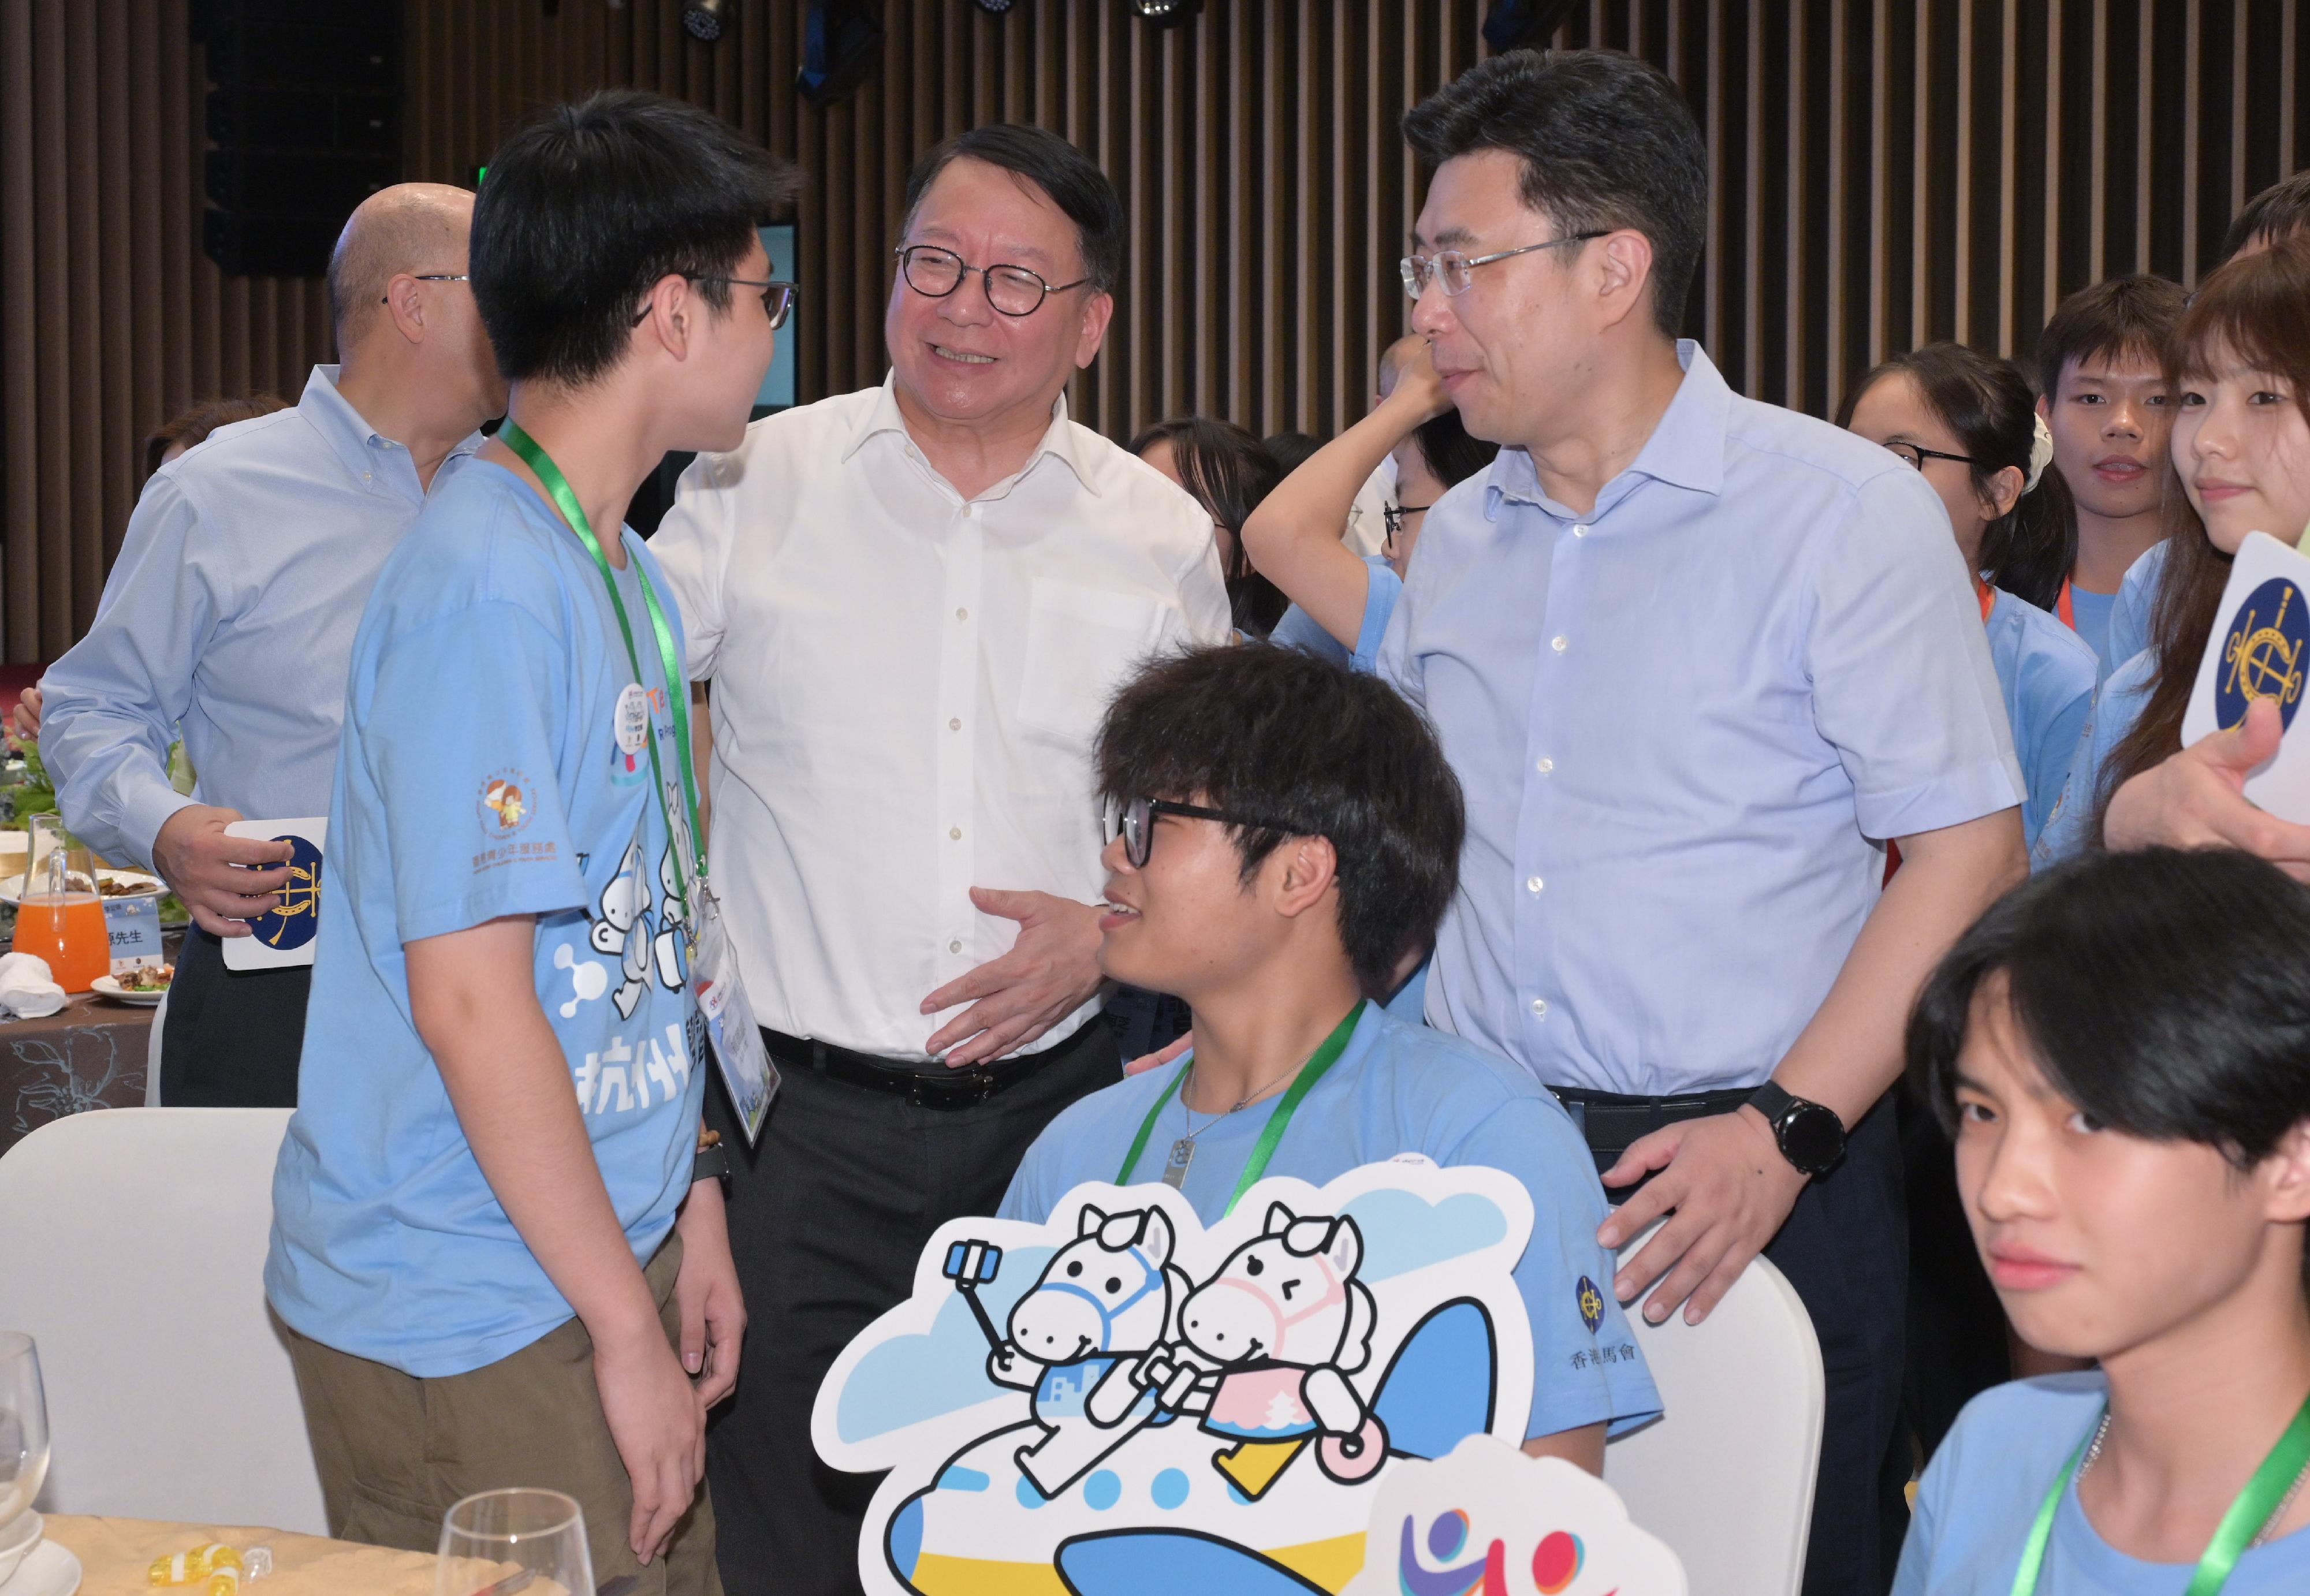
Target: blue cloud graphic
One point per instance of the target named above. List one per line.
(912, 1377)
(1403, 1232)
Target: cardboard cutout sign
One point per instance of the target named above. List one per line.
(2256, 651)
(1490, 1519)
(1119, 1402)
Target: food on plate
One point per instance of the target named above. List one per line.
(150, 977)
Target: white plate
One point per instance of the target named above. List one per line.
(12, 886)
(105, 986)
(49, 1571)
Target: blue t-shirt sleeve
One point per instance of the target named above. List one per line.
(1298, 630)
(1380, 593)
(1580, 1376)
(468, 776)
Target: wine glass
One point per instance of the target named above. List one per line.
(498, 1543)
(23, 1425)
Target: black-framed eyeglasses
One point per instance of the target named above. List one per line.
(1392, 518)
(1451, 267)
(778, 298)
(1013, 290)
(1917, 455)
(428, 277)
(1135, 822)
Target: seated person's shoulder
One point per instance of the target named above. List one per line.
(1453, 1092)
(2023, 1429)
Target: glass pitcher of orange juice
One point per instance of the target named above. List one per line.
(61, 915)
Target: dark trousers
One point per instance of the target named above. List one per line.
(827, 1217)
(1845, 1249)
(232, 1038)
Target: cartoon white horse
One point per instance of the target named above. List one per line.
(1106, 1298)
(1269, 1343)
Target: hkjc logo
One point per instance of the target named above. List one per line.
(2262, 656)
(291, 923)
(1591, 1302)
(505, 805)
(1556, 1562)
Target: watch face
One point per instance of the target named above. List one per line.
(1813, 1138)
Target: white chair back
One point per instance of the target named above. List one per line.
(132, 1251)
(1725, 1477)
(152, 1053)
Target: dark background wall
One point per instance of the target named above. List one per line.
(1885, 171)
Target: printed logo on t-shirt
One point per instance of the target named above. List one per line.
(632, 732)
(1591, 1302)
(505, 805)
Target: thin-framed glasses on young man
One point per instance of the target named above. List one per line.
(1917, 455)
(1013, 290)
(1451, 267)
(1135, 822)
(1392, 518)
(778, 298)
(428, 277)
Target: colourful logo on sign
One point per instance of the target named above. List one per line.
(1556, 1562)
(294, 923)
(1592, 1304)
(2261, 654)
(506, 805)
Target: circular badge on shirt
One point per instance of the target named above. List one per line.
(633, 719)
(294, 923)
(2262, 653)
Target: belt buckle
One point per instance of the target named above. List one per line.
(964, 1089)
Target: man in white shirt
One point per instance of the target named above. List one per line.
(912, 603)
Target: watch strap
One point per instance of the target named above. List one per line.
(1772, 1100)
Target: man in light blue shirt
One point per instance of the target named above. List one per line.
(231, 612)
(1694, 660)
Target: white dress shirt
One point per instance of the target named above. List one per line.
(904, 689)
(1366, 532)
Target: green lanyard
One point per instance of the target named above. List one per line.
(677, 698)
(2246, 1518)
(1313, 1071)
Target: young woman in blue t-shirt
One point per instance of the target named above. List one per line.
(2119, 1045)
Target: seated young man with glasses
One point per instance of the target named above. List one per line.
(1285, 829)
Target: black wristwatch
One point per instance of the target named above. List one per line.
(1810, 1136)
(713, 1162)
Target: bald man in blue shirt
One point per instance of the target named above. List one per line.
(1694, 660)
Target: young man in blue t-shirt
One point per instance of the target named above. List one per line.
(1287, 829)
(489, 1251)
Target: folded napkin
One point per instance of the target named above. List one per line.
(26, 990)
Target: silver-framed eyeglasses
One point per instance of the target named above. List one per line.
(428, 277)
(1013, 290)
(778, 298)
(1450, 268)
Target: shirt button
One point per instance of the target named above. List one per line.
(1545, 766)
(955, 946)
(1580, 532)
(1539, 1008)
(962, 614)
(955, 724)
(954, 833)
(1533, 885)
(1560, 642)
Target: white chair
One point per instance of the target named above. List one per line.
(133, 1252)
(152, 1053)
(1726, 1476)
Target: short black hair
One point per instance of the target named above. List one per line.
(1070, 177)
(1292, 450)
(1453, 453)
(2278, 212)
(1606, 142)
(1323, 750)
(1228, 471)
(2165, 993)
(2125, 315)
(586, 209)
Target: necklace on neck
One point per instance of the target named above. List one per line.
(2269, 1525)
(1183, 1150)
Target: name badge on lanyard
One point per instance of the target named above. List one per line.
(284, 937)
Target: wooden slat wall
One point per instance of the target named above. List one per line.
(1884, 173)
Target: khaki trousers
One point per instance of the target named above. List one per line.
(396, 1451)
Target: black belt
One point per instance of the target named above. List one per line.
(925, 1086)
(1613, 1122)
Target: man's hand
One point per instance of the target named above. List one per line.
(659, 1426)
(2196, 799)
(713, 1310)
(1049, 973)
(1731, 1190)
(28, 718)
(202, 865)
(1161, 1056)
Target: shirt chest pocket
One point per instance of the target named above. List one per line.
(1081, 642)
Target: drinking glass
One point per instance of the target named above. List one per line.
(61, 917)
(500, 1543)
(23, 1425)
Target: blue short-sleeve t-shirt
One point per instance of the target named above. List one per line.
(495, 763)
(1397, 1089)
(2046, 673)
(1980, 1496)
(1298, 630)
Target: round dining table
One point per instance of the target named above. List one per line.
(117, 1553)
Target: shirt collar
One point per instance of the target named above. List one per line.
(1686, 449)
(348, 432)
(1062, 440)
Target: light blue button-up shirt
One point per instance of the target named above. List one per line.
(1680, 722)
(231, 611)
